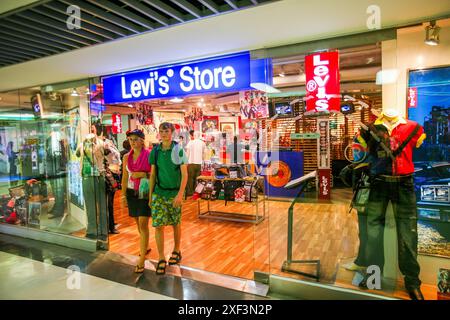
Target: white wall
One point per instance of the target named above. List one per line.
(279, 23)
(7, 5)
(409, 51)
(413, 53)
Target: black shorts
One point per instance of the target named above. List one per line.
(137, 207)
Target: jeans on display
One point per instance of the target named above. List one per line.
(401, 194)
(110, 203)
(362, 227)
(95, 205)
(58, 185)
(194, 171)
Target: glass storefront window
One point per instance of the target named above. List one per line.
(42, 184)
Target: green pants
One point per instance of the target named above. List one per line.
(193, 173)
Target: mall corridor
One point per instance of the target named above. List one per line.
(34, 270)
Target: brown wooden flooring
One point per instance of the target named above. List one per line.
(321, 231)
(326, 232)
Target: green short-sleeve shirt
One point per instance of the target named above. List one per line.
(168, 175)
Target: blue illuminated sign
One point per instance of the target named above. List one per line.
(229, 73)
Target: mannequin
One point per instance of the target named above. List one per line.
(390, 152)
(92, 153)
(56, 174)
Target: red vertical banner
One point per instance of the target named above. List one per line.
(324, 184)
(322, 82)
(116, 123)
(412, 97)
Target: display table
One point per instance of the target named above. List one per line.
(257, 202)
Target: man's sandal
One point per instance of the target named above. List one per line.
(160, 270)
(175, 258)
(139, 269)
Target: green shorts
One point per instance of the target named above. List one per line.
(163, 212)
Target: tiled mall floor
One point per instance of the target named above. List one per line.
(31, 269)
(24, 278)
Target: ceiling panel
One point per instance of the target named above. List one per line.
(40, 29)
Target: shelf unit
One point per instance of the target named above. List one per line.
(342, 130)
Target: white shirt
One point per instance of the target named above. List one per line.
(195, 150)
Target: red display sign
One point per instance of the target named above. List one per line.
(412, 97)
(322, 82)
(116, 123)
(324, 184)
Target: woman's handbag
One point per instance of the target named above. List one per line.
(144, 188)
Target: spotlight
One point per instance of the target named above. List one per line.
(432, 34)
(74, 93)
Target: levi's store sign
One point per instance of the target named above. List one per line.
(322, 82)
(228, 73)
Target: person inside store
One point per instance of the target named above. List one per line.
(168, 181)
(112, 175)
(92, 153)
(181, 142)
(136, 171)
(126, 148)
(390, 141)
(195, 150)
(235, 151)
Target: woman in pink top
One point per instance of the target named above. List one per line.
(136, 171)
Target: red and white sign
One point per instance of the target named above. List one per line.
(324, 184)
(322, 82)
(116, 123)
(412, 97)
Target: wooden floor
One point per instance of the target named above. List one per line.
(321, 231)
(326, 232)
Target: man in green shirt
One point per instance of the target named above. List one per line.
(167, 184)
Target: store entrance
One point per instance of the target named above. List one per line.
(224, 217)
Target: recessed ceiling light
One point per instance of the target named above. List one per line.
(176, 100)
(282, 75)
(74, 93)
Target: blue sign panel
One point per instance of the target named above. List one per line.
(229, 73)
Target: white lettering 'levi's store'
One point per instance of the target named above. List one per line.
(192, 78)
(206, 79)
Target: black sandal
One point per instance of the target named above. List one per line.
(139, 269)
(175, 258)
(159, 268)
